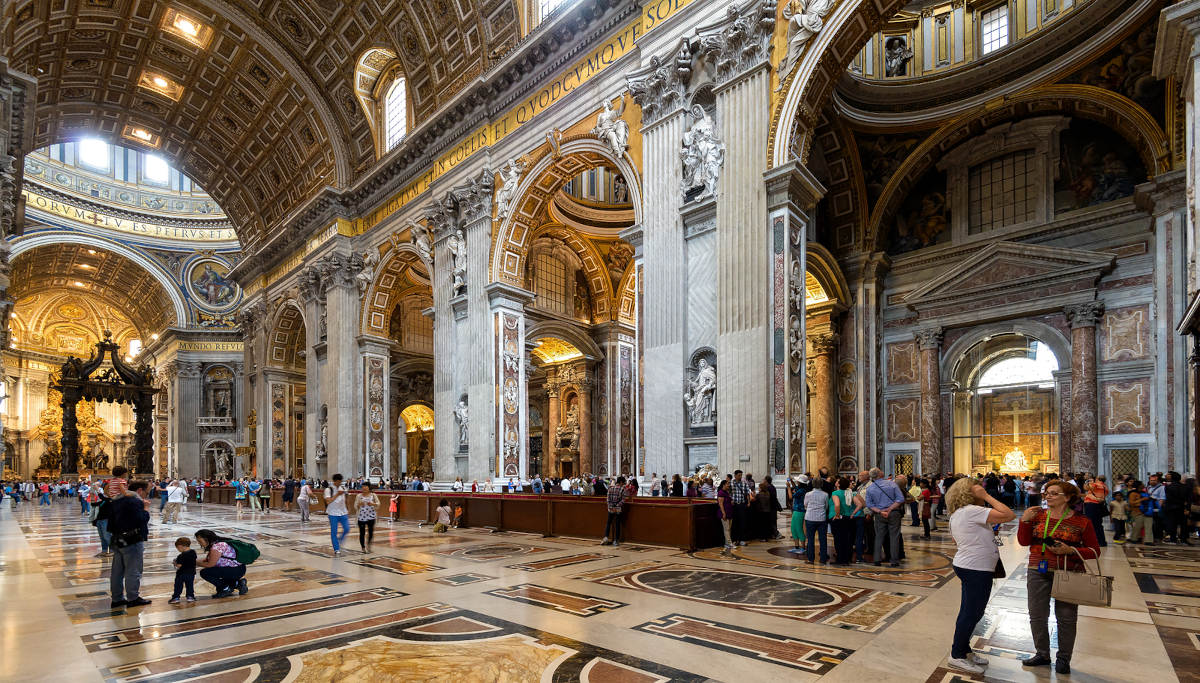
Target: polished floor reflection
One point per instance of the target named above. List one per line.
(471, 605)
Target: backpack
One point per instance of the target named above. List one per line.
(243, 552)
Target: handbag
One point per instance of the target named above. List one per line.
(1083, 588)
(999, 572)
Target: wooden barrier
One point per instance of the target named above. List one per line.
(685, 523)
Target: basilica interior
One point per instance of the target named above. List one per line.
(494, 241)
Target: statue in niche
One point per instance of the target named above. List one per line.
(701, 395)
(100, 462)
(619, 256)
(365, 276)
(568, 431)
(424, 461)
(462, 416)
(805, 19)
(323, 323)
(457, 246)
(620, 188)
(323, 442)
(510, 175)
(612, 129)
(420, 239)
(224, 464)
(702, 154)
(896, 55)
(583, 309)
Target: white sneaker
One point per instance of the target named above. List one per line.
(604, 541)
(978, 659)
(964, 665)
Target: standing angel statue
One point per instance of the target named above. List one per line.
(457, 245)
(702, 154)
(805, 19)
(612, 129)
(420, 239)
(510, 175)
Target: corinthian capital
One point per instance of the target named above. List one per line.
(310, 285)
(475, 198)
(442, 217)
(1085, 314)
(662, 84)
(823, 344)
(339, 270)
(251, 317)
(929, 339)
(741, 41)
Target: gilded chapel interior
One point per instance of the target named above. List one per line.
(494, 244)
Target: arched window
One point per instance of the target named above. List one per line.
(395, 113)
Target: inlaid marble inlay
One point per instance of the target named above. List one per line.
(1125, 407)
(902, 362)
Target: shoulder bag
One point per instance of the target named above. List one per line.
(1082, 588)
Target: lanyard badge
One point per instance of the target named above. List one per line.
(1043, 567)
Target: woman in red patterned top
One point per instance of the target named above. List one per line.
(1053, 535)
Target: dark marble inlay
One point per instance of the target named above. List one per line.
(748, 589)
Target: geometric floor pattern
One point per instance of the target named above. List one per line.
(475, 606)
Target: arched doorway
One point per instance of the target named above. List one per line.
(217, 462)
(416, 421)
(1007, 406)
(286, 401)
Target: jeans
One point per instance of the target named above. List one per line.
(366, 533)
(888, 525)
(815, 530)
(223, 578)
(1095, 512)
(725, 526)
(976, 589)
(45, 499)
(613, 525)
(843, 539)
(182, 581)
(1065, 613)
(912, 509)
(84, 506)
(105, 537)
(334, 522)
(126, 579)
(162, 502)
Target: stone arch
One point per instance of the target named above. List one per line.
(52, 237)
(823, 267)
(538, 184)
(400, 270)
(589, 260)
(1085, 101)
(287, 338)
(1033, 329)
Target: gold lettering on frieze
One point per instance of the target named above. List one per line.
(36, 202)
(210, 346)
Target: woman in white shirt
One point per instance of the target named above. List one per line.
(976, 562)
(304, 499)
(365, 505)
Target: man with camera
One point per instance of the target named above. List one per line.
(128, 525)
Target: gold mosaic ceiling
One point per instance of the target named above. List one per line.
(264, 113)
(555, 350)
(104, 276)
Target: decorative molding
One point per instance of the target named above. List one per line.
(660, 87)
(1086, 314)
(929, 339)
(741, 41)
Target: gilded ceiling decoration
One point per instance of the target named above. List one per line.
(67, 323)
(102, 275)
(554, 350)
(262, 111)
(285, 346)
(417, 418)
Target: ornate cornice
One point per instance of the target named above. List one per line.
(442, 217)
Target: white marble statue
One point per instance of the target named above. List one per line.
(703, 155)
(224, 465)
(420, 239)
(805, 19)
(701, 396)
(461, 417)
(612, 129)
(457, 246)
(510, 175)
(366, 275)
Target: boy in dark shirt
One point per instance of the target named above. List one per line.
(185, 570)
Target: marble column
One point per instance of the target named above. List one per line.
(343, 370)
(16, 137)
(585, 424)
(659, 90)
(312, 297)
(550, 431)
(824, 400)
(376, 364)
(930, 343)
(188, 399)
(446, 382)
(1084, 411)
(510, 418)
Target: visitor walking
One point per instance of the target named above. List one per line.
(239, 493)
(220, 566)
(1095, 504)
(264, 494)
(289, 493)
(129, 528)
(365, 505)
(175, 496)
(304, 499)
(1117, 511)
(252, 489)
(976, 563)
(1141, 514)
(335, 509)
(1054, 536)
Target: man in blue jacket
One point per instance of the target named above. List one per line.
(128, 526)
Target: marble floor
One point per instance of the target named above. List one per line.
(477, 606)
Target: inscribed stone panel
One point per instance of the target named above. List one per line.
(1125, 406)
(1125, 334)
(901, 362)
(902, 418)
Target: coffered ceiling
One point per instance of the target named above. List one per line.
(264, 113)
(104, 276)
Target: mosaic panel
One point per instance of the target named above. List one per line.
(577, 604)
(791, 652)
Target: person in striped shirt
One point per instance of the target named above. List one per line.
(117, 486)
(616, 506)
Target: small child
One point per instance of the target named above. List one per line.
(1119, 516)
(185, 571)
(392, 507)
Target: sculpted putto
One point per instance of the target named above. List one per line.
(612, 129)
(510, 175)
(703, 154)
